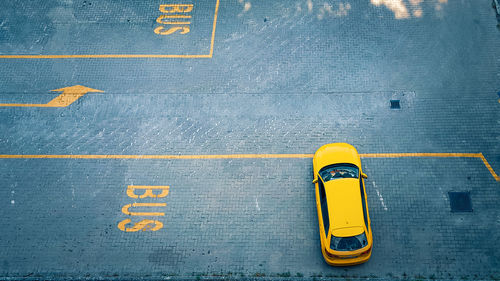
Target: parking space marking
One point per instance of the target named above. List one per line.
(103, 56)
(489, 167)
(213, 29)
(400, 155)
(117, 156)
(69, 96)
(209, 55)
(467, 155)
(250, 156)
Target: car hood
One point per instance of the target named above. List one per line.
(335, 153)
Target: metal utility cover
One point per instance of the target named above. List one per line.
(395, 104)
(460, 201)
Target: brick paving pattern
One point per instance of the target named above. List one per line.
(285, 77)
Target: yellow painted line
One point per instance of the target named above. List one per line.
(224, 156)
(400, 155)
(123, 56)
(249, 156)
(99, 56)
(489, 167)
(25, 105)
(213, 29)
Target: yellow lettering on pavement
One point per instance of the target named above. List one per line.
(176, 8)
(127, 212)
(148, 191)
(144, 225)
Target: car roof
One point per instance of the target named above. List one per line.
(345, 209)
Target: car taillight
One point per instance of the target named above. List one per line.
(330, 255)
(367, 251)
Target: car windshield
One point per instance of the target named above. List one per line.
(339, 171)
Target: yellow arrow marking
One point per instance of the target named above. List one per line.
(69, 96)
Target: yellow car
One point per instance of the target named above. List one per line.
(344, 223)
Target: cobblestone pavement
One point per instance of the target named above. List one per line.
(249, 80)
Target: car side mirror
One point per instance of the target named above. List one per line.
(363, 175)
(315, 180)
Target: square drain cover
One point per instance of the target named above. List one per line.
(395, 104)
(460, 201)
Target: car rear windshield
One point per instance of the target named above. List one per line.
(351, 243)
(339, 171)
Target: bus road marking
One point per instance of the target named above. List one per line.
(144, 224)
(163, 8)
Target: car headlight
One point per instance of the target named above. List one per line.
(350, 243)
